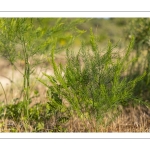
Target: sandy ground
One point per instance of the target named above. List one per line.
(11, 80)
(9, 75)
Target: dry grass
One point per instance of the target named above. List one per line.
(131, 120)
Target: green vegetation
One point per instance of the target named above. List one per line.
(92, 84)
(139, 28)
(98, 77)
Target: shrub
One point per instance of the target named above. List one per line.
(140, 29)
(91, 82)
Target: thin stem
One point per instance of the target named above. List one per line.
(15, 67)
(5, 98)
(26, 75)
(4, 93)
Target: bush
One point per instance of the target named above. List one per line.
(140, 29)
(91, 82)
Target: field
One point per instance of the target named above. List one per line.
(74, 75)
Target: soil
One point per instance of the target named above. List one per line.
(11, 79)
